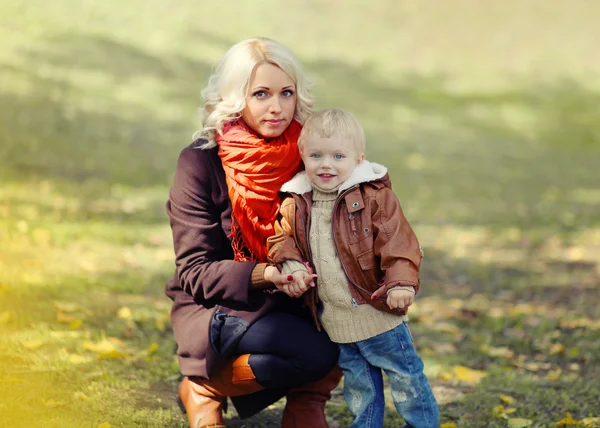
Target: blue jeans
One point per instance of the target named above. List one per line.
(394, 352)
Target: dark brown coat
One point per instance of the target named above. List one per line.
(213, 304)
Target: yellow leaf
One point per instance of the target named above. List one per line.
(568, 420)
(519, 423)
(22, 226)
(78, 359)
(500, 352)
(125, 313)
(160, 324)
(75, 324)
(507, 399)
(448, 425)
(103, 346)
(590, 422)
(81, 396)
(65, 318)
(510, 410)
(446, 327)
(152, 348)
(581, 323)
(498, 411)
(53, 403)
(104, 425)
(467, 375)
(557, 348)
(33, 344)
(66, 307)
(106, 349)
(112, 355)
(554, 374)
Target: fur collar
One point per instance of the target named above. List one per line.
(364, 172)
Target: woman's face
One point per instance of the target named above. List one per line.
(271, 101)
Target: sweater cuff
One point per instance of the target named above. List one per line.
(291, 266)
(402, 287)
(257, 279)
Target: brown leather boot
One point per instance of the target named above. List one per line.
(203, 399)
(305, 405)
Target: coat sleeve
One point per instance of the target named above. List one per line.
(395, 243)
(282, 246)
(204, 268)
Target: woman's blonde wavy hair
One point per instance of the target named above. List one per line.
(227, 88)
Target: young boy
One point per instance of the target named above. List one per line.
(341, 216)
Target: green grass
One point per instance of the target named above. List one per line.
(488, 118)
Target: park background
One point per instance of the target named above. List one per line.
(486, 113)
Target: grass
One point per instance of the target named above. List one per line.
(487, 118)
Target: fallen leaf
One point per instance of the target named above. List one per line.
(554, 374)
(448, 425)
(114, 354)
(33, 344)
(581, 323)
(152, 348)
(160, 324)
(104, 425)
(65, 307)
(519, 423)
(557, 348)
(590, 422)
(53, 403)
(65, 318)
(75, 324)
(125, 313)
(78, 359)
(444, 348)
(568, 420)
(446, 327)
(507, 398)
(467, 375)
(499, 352)
(106, 349)
(499, 411)
(81, 396)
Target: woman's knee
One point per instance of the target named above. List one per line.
(319, 359)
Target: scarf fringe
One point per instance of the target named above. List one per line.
(241, 252)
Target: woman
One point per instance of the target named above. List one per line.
(240, 331)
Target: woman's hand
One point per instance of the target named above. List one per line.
(285, 283)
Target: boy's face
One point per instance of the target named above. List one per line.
(329, 161)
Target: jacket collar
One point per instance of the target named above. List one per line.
(364, 172)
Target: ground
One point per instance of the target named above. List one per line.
(487, 117)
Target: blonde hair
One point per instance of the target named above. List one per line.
(227, 88)
(330, 122)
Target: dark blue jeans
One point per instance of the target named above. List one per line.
(394, 353)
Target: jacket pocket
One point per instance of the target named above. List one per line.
(366, 260)
(226, 332)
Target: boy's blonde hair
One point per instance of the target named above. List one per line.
(227, 88)
(330, 122)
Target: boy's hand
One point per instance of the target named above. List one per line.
(301, 281)
(400, 298)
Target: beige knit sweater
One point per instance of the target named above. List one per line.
(342, 318)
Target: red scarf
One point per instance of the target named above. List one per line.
(255, 170)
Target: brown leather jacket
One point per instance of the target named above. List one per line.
(376, 245)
